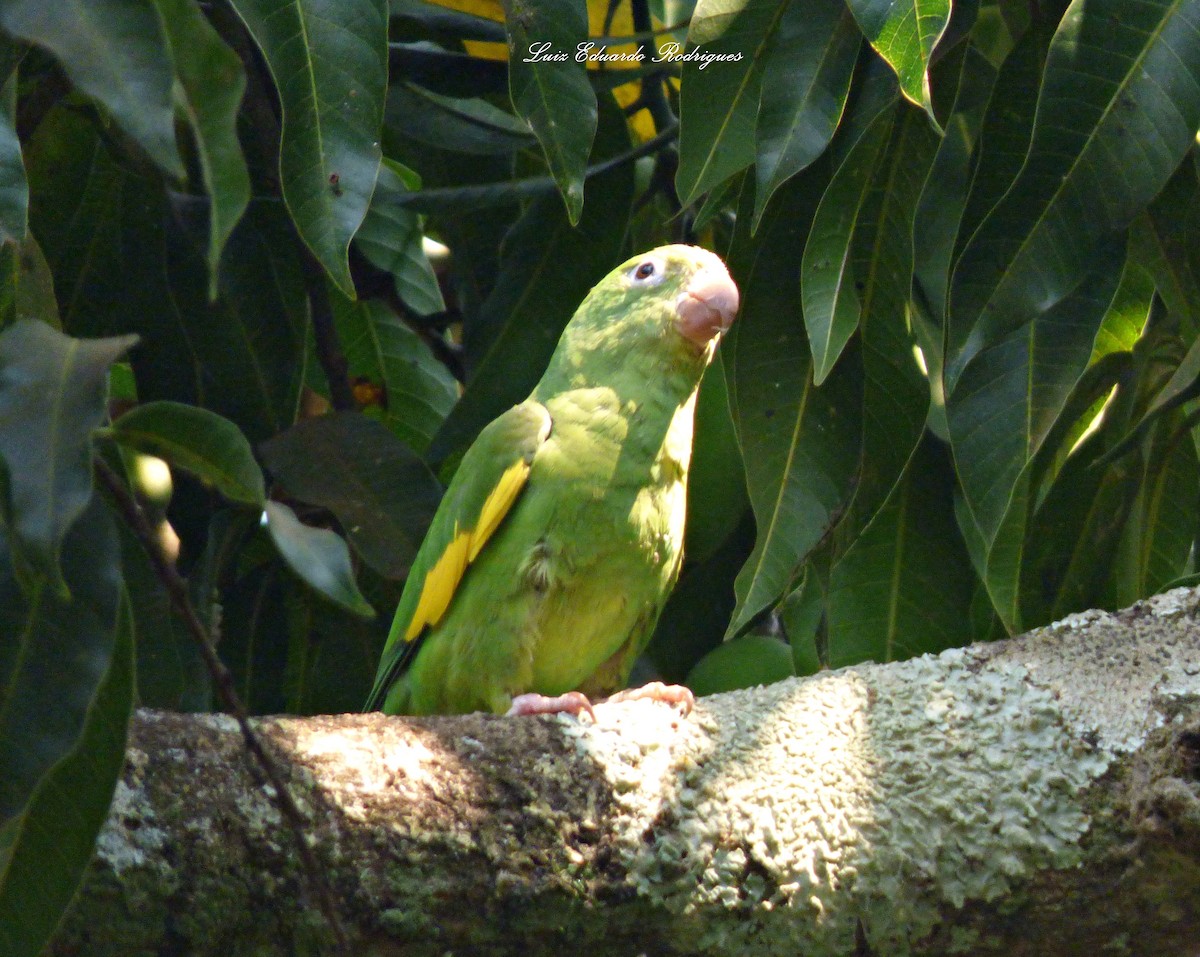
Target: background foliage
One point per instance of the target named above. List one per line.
(959, 401)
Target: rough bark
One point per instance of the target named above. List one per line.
(1037, 796)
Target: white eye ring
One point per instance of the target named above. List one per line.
(648, 272)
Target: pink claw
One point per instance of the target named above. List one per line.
(573, 702)
(657, 691)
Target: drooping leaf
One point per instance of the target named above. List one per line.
(212, 81)
(800, 443)
(1007, 403)
(1006, 127)
(125, 258)
(418, 391)
(716, 478)
(904, 587)
(49, 847)
(804, 85)
(53, 391)
(465, 125)
(26, 285)
(392, 238)
(1163, 242)
(1119, 106)
(1157, 539)
(1003, 411)
(719, 99)
(905, 33)
(320, 557)
(331, 657)
(206, 444)
(828, 285)
(115, 51)
(14, 190)
(255, 635)
(556, 99)
(381, 492)
(896, 392)
(940, 208)
(57, 649)
(329, 62)
(1126, 317)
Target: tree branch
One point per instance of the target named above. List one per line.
(1035, 796)
(223, 681)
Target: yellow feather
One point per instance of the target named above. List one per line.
(442, 580)
(497, 505)
(439, 584)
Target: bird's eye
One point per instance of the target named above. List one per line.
(644, 270)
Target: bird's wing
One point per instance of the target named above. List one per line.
(488, 481)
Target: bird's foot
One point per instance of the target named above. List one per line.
(573, 702)
(657, 691)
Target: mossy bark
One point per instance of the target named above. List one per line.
(1036, 796)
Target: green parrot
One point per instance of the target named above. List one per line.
(560, 537)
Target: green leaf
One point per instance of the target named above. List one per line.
(1119, 107)
(1072, 540)
(331, 656)
(904, 587)
(693, 621)
(53, 391)
(392, 238)
(1008, 403)
(212, 80)
(1007, 126)
(124, 259)
(804, 84)
(716, 498)
(320, 557)
(419, 391)
(896, 393)
(381, 492)
(718, 101)
(329, 62)
(555, 99)
(1011, 396)
(800, 443)
(202, 442)
(66, 690)
(940, 208)
(26, 286)
(547, 269)
(1126, 317)
(1164, 241)
(55, 838)
(255, 635)
(464, 125)
(904, 32)
(14, 190)
(1157, 539)
(827, 282)
(114, 51)
(742, 663)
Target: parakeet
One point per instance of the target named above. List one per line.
(560, 536)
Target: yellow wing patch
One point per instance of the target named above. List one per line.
(442, 580)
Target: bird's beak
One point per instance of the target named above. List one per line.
(707, 306)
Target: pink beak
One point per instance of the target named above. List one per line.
(707, 307)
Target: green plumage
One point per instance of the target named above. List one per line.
(565, 592)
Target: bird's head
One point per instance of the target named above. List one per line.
(674, 301)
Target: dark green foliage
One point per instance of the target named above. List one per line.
(961, 399)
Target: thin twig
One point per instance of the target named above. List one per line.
(181, 601)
